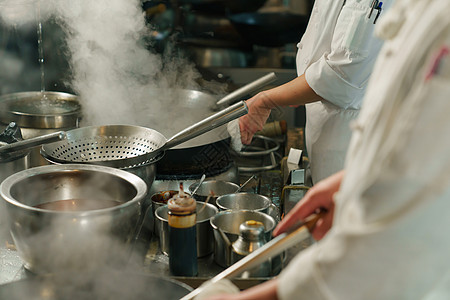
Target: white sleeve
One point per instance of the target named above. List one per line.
(389, 238)
(341, 76)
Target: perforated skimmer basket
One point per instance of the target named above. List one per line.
(126, 146)
(112, 145)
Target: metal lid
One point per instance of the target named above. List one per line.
(40, 109)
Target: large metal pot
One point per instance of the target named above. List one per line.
(102, 284)
(73, 217)
(40, 113)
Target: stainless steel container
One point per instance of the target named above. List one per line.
(160, 199)
(40, 113)
(244, 201)
(205, 237)
(73, 217)
(228, 222)
(218, 187)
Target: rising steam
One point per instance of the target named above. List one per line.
(118, 80)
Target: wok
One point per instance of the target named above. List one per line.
(104, 284)
(271, 28)
(189, 106)
(221, 6)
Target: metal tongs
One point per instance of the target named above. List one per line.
(284, 241)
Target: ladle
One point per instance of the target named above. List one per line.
(284, 241)
(32, 142)
(245, 183)
(199, 184)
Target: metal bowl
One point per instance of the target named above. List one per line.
(73, 217)
(205, 237)
(229, 222)
(219, 188)
(244, 201)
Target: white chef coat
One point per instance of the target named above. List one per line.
(390, 235)
(336, 54)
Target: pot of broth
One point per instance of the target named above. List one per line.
(73, 217)
(103, 283)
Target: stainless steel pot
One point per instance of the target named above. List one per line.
(218, 187)
(228, 222)
(205, 237)
(244, 201)
(40, 113)
(102, 284)
(73, 217)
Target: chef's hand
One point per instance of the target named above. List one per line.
(319, 197)
(263, 291)
(258, 111)
(222, 289)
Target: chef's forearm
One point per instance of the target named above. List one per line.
(295, 92)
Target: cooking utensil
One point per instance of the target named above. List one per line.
(219, 187)
(123, 146)
(245, 183)
(40, 113)
(199, 184)
(104, 283)
(32, 142)
(247, 89)
(228, 222)
(73, 217)
(13, 162)
(274, 247)
(205, 237)
(244, 201)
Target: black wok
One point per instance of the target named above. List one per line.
(222, 6)
(104, 284)
(270, 29)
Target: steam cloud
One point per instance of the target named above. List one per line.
(118, 80)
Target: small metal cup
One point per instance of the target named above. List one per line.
(205, 236)
(160, 199)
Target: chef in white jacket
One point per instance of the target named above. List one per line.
(389, 237)
(334, 61)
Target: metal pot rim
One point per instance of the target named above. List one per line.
(266, 199)
(229, 212)
(136, 181)
(164, 207)
(55, 120)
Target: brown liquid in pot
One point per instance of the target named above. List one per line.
(78, 204)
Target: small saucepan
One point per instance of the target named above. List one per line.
(244, 201)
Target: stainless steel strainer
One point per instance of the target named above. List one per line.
(126, 146)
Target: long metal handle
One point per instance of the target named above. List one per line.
(277, 245)
(218, 119)
(32, 142)
(247, 89)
